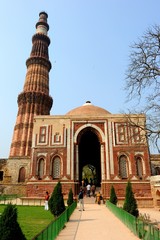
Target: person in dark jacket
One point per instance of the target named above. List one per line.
(81, 200)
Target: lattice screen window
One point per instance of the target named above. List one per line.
(123, 167)
(40, 168)
(21, 177)
(42, 135)
(136, 134)
(139, 167)
(121, 133)
(57, 137)
(56, 168)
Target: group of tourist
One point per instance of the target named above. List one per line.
(88, 189)
(81, 196)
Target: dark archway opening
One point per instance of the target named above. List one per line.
(89, 153)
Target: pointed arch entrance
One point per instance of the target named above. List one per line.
(89, 155)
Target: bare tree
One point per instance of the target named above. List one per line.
(143, 79)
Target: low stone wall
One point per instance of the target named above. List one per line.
(25, 201)
(19, 189)
(38, 188)
(141, 202)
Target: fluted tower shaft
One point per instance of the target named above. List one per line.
(35, 99)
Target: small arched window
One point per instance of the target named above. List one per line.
(139, 167)
(22, 173)
(123, 167)
(40, 168)
(56, 168)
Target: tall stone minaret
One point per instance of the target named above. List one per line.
(35, 99)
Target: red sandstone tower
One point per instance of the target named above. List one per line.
(35, 99)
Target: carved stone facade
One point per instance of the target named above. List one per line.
(90, 136)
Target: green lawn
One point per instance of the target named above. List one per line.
(32, 219)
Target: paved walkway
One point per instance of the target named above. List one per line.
(96, 222)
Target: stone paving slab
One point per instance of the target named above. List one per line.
(96, 222)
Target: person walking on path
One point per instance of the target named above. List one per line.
(98, 198)
(93, 189)
(46, 201)
(88, 190)
(81, 201)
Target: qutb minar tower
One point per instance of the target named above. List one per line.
(35, 99)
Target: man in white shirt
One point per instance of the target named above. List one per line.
(88, 190)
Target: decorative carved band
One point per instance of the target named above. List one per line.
(42, 23)
(41, 37)
(36, 98)
(21, 144)
(23, 125)
(39, 61)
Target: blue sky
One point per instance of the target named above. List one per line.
(89, 52)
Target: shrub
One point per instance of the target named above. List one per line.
(130, 204)
(113, 198)
(70, 197)
(9, 227)
(56, 201)
(145, 218)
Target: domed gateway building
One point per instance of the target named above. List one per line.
(87, 143)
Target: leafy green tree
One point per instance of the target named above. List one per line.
(130, 204)
(113, 197)
(70, 197)
(9, 227)
(56, 201)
